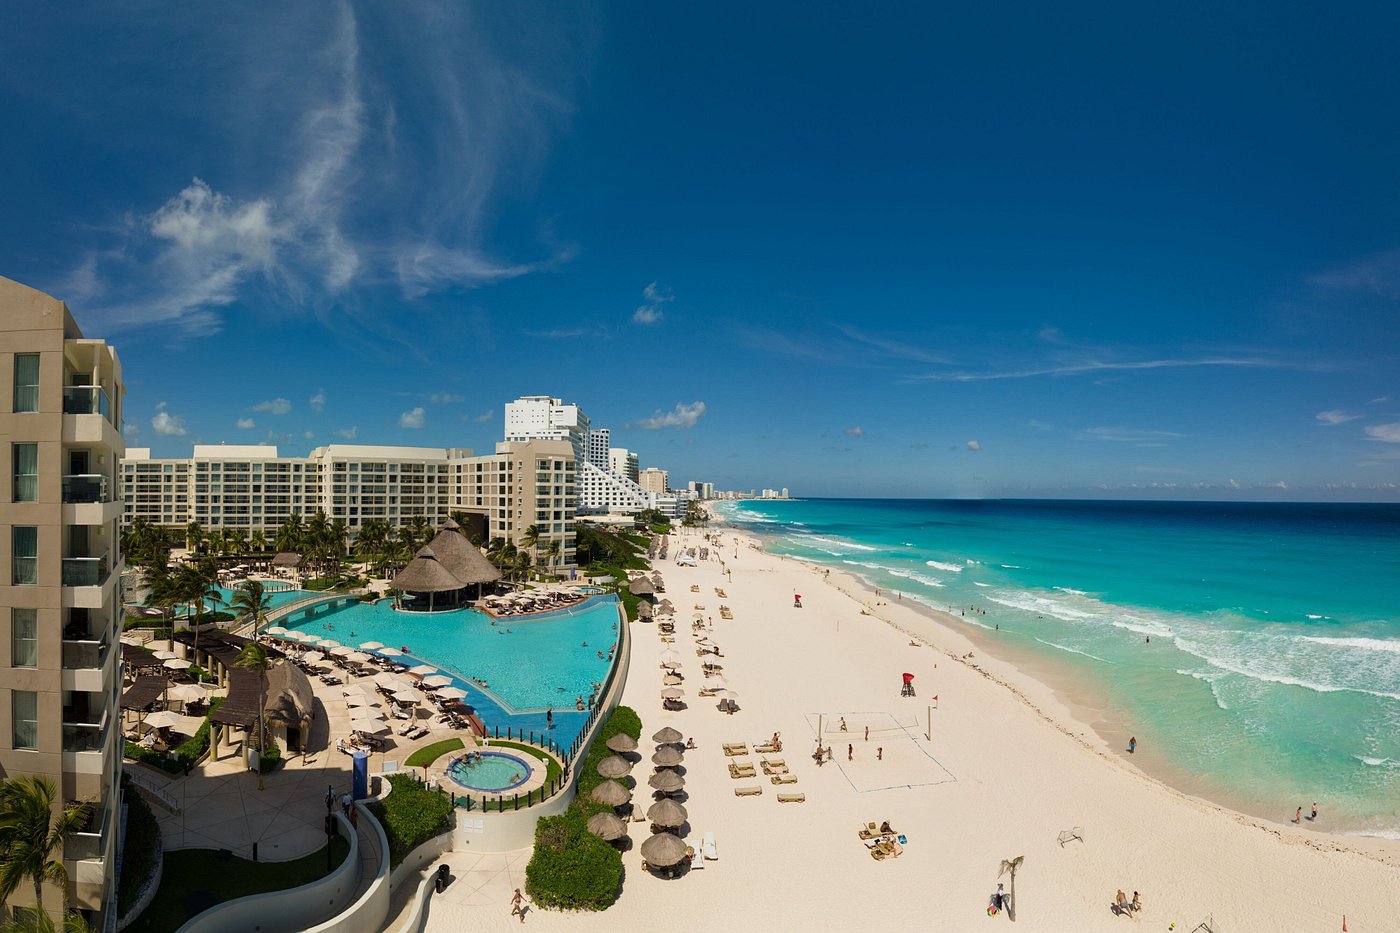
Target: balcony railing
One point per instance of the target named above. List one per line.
(86, 487)
(90, 842)
(83, 654)
(85, 571)
(86, 400)
(83, 736)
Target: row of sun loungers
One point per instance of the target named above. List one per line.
(731, 749)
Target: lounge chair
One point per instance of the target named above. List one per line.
(774, 769)
(871, 831)
(733, 749)
(697, 857)
(738, 772)
(792, 798)
(784, 778)
(711, 847)
(748, 790)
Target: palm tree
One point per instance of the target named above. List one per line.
(198, 585)
(290, 534)
(31, 835)
(1009, 867)
(194, 536)
(552, 552)
(249, 600)
(257, 541)
(530, 538)
(30, 921)
(254, 657)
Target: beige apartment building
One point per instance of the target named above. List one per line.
(60, 570)
(252, 488)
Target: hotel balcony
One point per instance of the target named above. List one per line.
(85, 743)
(85, 665)
(87, 418)
(85, 571)
(86, 855)
(88, 499)
(86, 400)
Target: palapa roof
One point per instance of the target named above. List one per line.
(289, 696)
(667, 813)
(425, 574)
(667, 735)
(667, 756)
(622, 742)
(607, 826)
(614, 767)
(461, 557)
(641, 587)
(287, 559)
(663, 849)
(144, 692)
(240, 707)
(611, 793)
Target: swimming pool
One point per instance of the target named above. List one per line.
(493, 771)
(275, 598)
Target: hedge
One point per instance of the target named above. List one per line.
(270, 757)
(572, 869)
(411, 815)
(138, 846)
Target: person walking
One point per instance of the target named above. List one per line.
(549, 718)
(850, 753)
(880, 753)
(1314, 811)
(1132, 745)
(517, 905)
(1298, 817)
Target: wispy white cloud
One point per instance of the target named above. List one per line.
(1389, 433)
(1095, 366)
(166, 424)
(1336, 416)
(413, 418)
(856, 431)
(446, 398)
(1134, 436)
(1039, 425)
(654, 298)
(318, 401)
(275, 406)
(245, 423)
(974, 446)
(681, 417)
(370, 170)
(347, 433)
(1377, 274)
(482, 418)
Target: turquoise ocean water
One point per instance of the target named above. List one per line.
(1272, 678)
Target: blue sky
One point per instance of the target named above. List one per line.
(907, 251)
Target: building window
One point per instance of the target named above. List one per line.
(26, 466)
(25, 548)
(24, 713)
(26, 382)
(24, 638)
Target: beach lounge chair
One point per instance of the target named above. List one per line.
(693, 849)
(784, 778)
(710, 848)
(748, 790)
(742, 771)
(695, 587)
(774, 768)
(766, 748)
(871, 831)
(706, 692)
(1070, 835)
(733, 749)
(792, 798)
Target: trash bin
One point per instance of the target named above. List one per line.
(442, 875)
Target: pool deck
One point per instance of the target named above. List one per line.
(437, 772)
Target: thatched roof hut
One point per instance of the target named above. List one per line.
(289, 696)
(461, 557)
(425, 574)
(641, 587)
(287, 559)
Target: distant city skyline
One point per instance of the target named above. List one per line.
(904, 251)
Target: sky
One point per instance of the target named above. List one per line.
(970, 250)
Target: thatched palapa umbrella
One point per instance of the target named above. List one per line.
(611, 793)
(671, 693)
(425, 574)
(667, 756)
(667, 736)
(672, 680)
(607, 826)
(641, 587)
(622, 742)
(614, 767)
(668, 782)
(664, 850)
(667, 814)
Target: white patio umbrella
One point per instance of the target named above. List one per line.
(329, 643)
(670, 665)
(311, 657)
(670, 655)
(369, 726)
(341, 651)
(717, 682)
(390, 681)
(359, 700)
(371, 645)
(162, 719)
(725, 693)
(452, 693)
(357, 657)
(437, 680)
(164, 655)
(186, 693)
(423, 670)
(390, 652)
(177, 664)
(355, 690)
(276, 630)
(405, 696)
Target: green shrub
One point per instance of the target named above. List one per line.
(572, 869)
(270, 757)
(138, 847)
(152, 757)
(411, 815)
(192, 749)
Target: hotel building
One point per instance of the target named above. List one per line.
(654, 480)
(60, 683)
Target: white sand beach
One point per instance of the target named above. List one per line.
(1007, 770)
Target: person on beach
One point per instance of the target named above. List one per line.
(549, 718)
(1298, 817)
(867, 733)
(880, 753)
(1136, 905)
(850, 753)
(828, 752)
(842, 727)
(1314, 811)
(1132, 747)
(1120, 902)
(516, 907)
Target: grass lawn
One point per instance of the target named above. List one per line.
(196, 879)
(431, 753)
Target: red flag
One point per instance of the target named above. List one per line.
(935, 696)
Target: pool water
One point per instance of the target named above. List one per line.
(275, 598)
(492, 772)
(533, 662)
